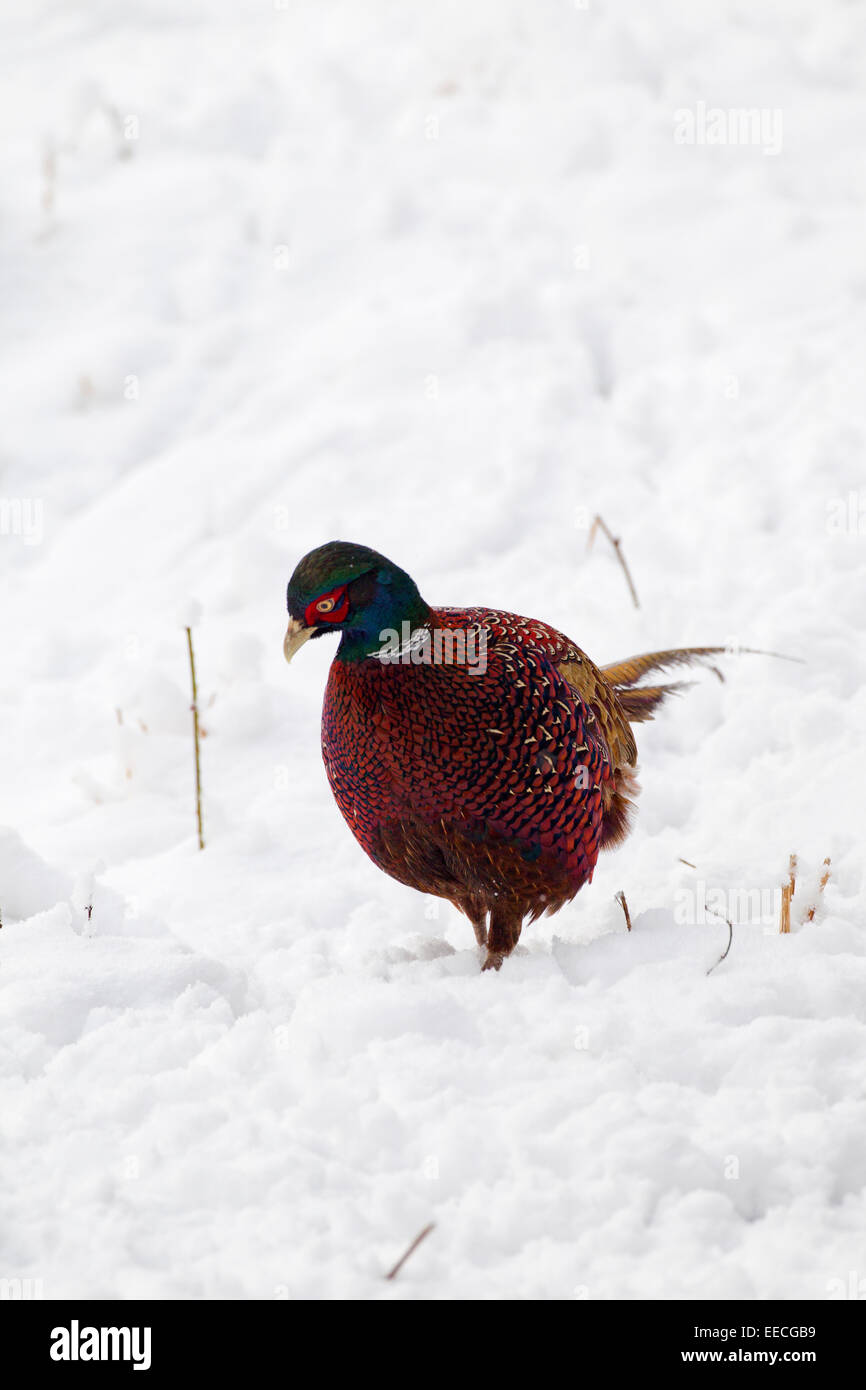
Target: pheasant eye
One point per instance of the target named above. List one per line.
(324, 605)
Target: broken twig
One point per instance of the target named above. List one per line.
(620, 897)
(822, 884)
(730, 938)
(787, 895)
(195, 731)
(600, 524)
(392, 1274)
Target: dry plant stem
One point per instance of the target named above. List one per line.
(689, 862)
(822, 884)
(195, 730)
(730, 939)
(392, 1274)
(787, 895)
(600, 524)
(785, 910)
(620, 897)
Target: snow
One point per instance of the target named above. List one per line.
(439, 279)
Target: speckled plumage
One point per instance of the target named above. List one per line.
(494, 790)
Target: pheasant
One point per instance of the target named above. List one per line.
(475, 755)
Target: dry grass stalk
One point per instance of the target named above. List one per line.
(392, 1273)
(787, 895)
(620, 897)
(822, 884)
(195, 730)
(600, 524)
(730, 938)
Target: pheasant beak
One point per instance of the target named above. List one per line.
(296, 636)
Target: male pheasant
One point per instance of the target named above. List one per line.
(475, 755)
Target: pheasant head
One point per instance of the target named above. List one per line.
(350, 589)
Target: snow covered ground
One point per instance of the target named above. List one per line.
(447, 280)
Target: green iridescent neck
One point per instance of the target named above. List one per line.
(395, 601)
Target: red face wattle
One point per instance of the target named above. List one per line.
(328, 608)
